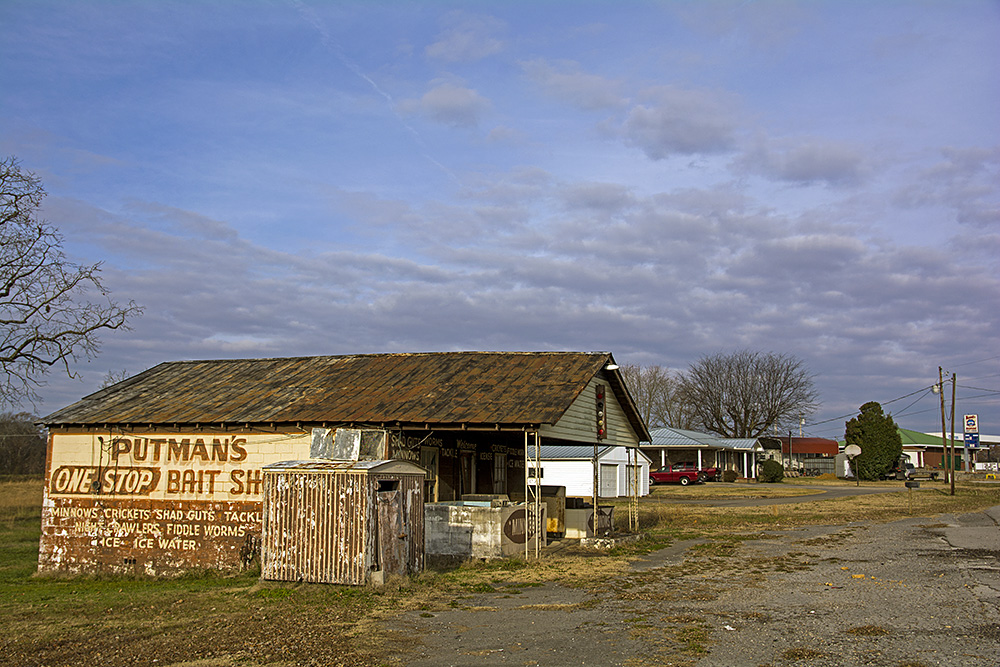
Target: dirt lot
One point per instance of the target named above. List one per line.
(912, 593)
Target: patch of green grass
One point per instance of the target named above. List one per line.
(693, 639)
(479, 588)
(802, 654)
(273, 593)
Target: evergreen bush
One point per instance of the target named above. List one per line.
(876, 434)
(772, 471)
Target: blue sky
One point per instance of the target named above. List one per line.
(661, 180)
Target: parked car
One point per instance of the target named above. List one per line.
(912, 472)
(679, 473)
(904, 470)
(704, 474)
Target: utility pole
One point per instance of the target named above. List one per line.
(597, 480)
(952, 457)
(944, 435)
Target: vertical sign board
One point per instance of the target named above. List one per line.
(972, 423)
(971, 431)
(156, 503)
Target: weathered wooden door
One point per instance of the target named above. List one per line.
(393, 537)
(467, 483)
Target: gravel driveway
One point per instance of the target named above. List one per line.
(913, 593)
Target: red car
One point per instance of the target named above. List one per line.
(680, 473)
(705, 474)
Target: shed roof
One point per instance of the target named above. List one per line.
(806, 445)
(748, 444)
(550, 452)
(917, 438)
(911, 438)
(666, 436)
(514, 389)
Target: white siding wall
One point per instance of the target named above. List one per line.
(626, 480)
(578, 476)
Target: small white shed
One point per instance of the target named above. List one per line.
(572, 466)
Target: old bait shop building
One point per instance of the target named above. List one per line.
(165, 471)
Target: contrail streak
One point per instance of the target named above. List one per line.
(316, 22)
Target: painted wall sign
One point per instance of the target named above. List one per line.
(157, 503)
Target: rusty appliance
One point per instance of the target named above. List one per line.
(342, 522)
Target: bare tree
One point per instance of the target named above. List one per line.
(46, 317)
(114, 377)
(746, 393)
(657, 394)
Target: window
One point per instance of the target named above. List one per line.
(499, 473)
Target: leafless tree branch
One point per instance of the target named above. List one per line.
(47, 315)
(657, 393)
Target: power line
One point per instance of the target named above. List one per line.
(981, 377)
(969, 363)
(922, 389)
(988, 391)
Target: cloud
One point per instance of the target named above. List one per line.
(620, 189)
(526, 261)
(565, 81)
(605, 198)
(502, 134)
(449, 104)
(807, 160)
(467, 38)
(961, 181)
(193, 223)
(682, 121)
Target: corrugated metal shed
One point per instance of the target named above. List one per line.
(439, 388)
(342, 522)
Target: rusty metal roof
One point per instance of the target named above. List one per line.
(441, 388)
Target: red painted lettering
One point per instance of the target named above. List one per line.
(239, 452)
(200, 450)
(173, 481)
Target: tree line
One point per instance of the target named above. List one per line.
(22, 445)
(749, 394)
(742, 394)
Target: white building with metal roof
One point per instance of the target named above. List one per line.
(674, 445)
(620, 470)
